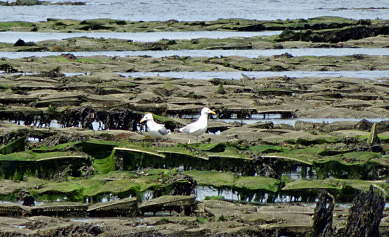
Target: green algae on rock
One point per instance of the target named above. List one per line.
(236, 24)
(342, 189)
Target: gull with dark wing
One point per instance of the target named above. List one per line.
(200, 126)
(155, 130)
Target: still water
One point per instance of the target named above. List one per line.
(12, 37)
(252, 53)
(197, 10)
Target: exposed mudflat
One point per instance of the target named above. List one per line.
(72, 138)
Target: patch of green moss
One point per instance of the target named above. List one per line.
(209, 147)
(313, 184)
(126, 85)
(352, 158)
(17, 145)
(103, 21)
(231, 152)
(175, 152)
(58, 154)
(306, 155)
(15, 24)
(137, 157)
(344, 189)
(88, 60)
(167, 85)
(383, 138)
(214, 198)
(60, 147)
(212, 178)
(257, 183)
(318, 139)
(266, 149)
(98, 149)
(105, 165)
(382, 160)
(18, 156)
(53, 190)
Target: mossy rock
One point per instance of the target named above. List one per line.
(306, 156)
(137, 157)
(266, 149)
(116, 184)
(123, 207)
(231, 181)
(313, 184)
(354, 158)
(15, 24)
(274, 91)
(61, 147)
(61, 190)
(343, 189)
(18, 156)
(231, 152)
(214, 198)
(105, 165)
(314, 139)
(187, 156)
(257, 183)
(98, 149)
(98, 188)
(210, 147)
(212, 178)
(44, 165)
(17, 145)
(102, 21)
(362, 165)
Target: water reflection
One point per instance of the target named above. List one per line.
(251, 196)
(252, 53)
(206, 191)
(12, 36)
(98, 125)
(292, 122)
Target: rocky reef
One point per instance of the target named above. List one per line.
(75, 159)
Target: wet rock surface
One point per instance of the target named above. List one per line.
(323, 218)
(365, 214)
(74, 143)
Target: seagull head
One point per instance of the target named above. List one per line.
(147, 117)
(207, 111)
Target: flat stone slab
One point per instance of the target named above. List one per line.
(122, 207)
(51, 209)
(11, 209)
(168, 203)
(60, 209)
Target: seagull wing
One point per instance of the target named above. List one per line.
(163, 131)
(190, 128)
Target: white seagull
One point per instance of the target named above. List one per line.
(155, 130)
(200, 126)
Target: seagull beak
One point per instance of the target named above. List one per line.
(213, 112)
(142, 120)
